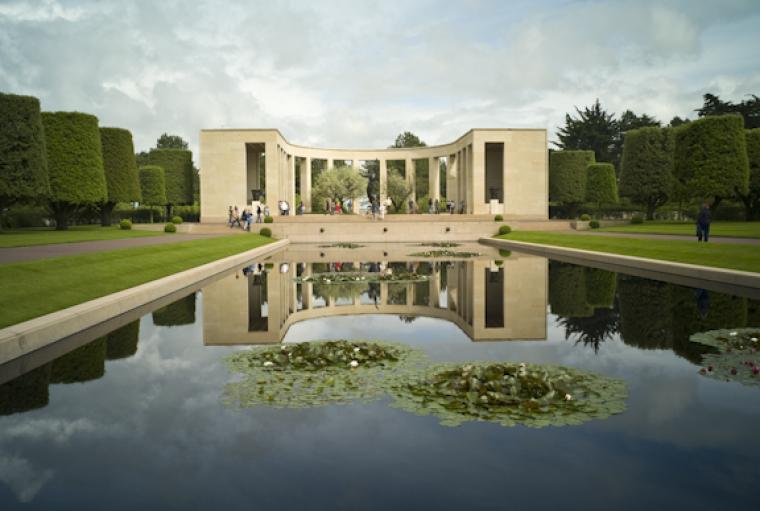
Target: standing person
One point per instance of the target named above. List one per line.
(430, 205)
(229, 216)
(703, 223)
(327, 206)
(266, 211)
(436, 206)
(410, 206)
(235, 218)
(248, 218)
(258, 213)
(286, 207)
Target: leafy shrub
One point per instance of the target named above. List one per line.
(125, 225)
(585, 217)
(176, 220)
(498, 218)
(637, 219)
(505, 229)
(594, 224)
(268, 219)
(178, 173)
(646, 174)
(567, 176)
(170, 227)
(601, 185)
(266, 231)
(188, 213)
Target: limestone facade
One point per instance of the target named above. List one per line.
(490, 170)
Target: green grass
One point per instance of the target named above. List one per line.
(736, 257)
(732, 229)
(76, 234)
(34, 288)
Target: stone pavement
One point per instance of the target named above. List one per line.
(33, 253)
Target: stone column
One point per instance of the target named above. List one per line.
(291, 184)
(451, 177)
(410, 178)
(306, 183)
(306, 288)
(329, 163)
(434, 178)
(383, 164)
(272, 176)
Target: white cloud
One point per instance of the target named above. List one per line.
(23, 478)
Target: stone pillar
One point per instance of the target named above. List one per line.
(329, 163)
(306, 288)
(291, 196)
(434, 178)
(272, 176)
(383, 180)
(383, 293)
(410, 178)
(306, 183)
(451, 178)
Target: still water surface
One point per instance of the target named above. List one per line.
(135, 420)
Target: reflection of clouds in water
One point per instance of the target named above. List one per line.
(24, 480)
(56, 430)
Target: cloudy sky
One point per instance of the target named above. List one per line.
(356, 73)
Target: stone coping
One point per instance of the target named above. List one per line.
(740, 279)
(23, 338)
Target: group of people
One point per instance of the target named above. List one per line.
(244, 220)
(434, 207)
(333, 207)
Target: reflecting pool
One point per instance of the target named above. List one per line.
(136, 417)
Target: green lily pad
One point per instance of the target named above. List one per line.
(738, 357)
(318, 373)
(444, 253)
(510, 394)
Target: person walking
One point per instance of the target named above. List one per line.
(229, 216)
(430, 205)
(258, 214)
(703, 223)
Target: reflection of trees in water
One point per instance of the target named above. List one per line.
(122, 342)
(594, 330)
(27, 392)
(407, 319)
(583, 298)
(86, 363)
(658, 315)
(396, 294)
(341, 290)
(181, 312)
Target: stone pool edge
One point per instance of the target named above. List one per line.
(722, 275)
(22, 338)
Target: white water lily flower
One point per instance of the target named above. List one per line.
(268, 364)
(568, 397)
(356, 350)
(354, 363)
(732, 334)
(754, 339)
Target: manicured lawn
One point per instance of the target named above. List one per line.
(34, 288)
(731, 229)
(75, 234)
(737, 257)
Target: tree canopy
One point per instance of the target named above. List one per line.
(152, 185)
(749, 109)
(166, 141)
(567, 177)
(23, 158)
(338, 183)
(751, 199)
(646, 174)
(408, 139)
(122, 181)
(711, 157)
(601, 185)
(178, 173)
(398, 190)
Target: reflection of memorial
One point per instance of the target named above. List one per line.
(488, 300)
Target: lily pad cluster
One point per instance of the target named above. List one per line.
(342, 245)
(360, 277)
(738, 357)
(440, 244)
(511, 394)
(444, 253)
(338, 372)
(318, 373)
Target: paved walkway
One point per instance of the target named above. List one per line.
(33, 253)
(713, 239)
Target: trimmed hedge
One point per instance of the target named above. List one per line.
(594, 224)
(567, 291)
(122, 180)
(122, 342)
(178, 173)
(75, 160)
(26, 392)
(181, 312)
(83, 364)
(601, 183)
(505, 229)
(268, 219)
(75, 163)
(170, 227)
(498, 218)
(711, 157)
(646, 171)
(153, 185)
(751, 199)
(176, 220)
(600, 287)
(585, 217)
(125, 225)
(637, 219)
(23, 158)
(567, 175)
(266, 231)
